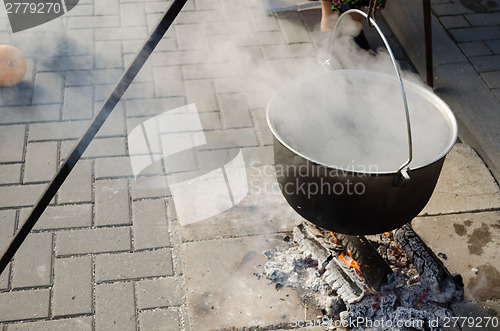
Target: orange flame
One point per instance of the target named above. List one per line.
(350, 262)
(334, 239)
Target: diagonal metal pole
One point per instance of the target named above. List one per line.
(109, 104)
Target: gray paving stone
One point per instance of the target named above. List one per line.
(150, 228)
(260, 39)
(496, 93)
(112, 202)
(201, 92)
(200, 16)
(465, 184)
(288, 51)
(260, 99)
(270, 211)
(483, 19)
(294, 30)
(88, 241)
(226, 28)
(79, 42)
(244, 137)
(61, 217)
(115, 307)
(115, 124)
(99, 147)
(83, 9)
(56, 130)
(146, 73)
(66, 63)
(486, 63)
(152, 107)
(450, 9)
(10, 173)
(168, 82)
(494, 45)
(124, 33)
(20, 195)
(108, 54)
(492, 78)
(475, 33)
(451, 22)
(41, 161)
(258, 156)
(155, 293)
(78, 185)
(12, 143)
(211, 70)
(7, 224)
(190, 37)
(16, 96)
(167, 319)
(480, 313)
(73, 324)
(228, 262)
(475, 48)
(132, 14)
(144, 187)
(235, 111)
(5, 278)
(78, 103)
(246, 83)
(92, 77)
(107, 8)
(132, 46)
(48, 88)
(134, 265)
(263, 131)
(72, 290)
(470, 241)
(82, 22)
(33, 262)
(180, 162)
(178, 58)
(113, 167)
(140, 91)
(21, 305)
(156, 7)
(29, 114)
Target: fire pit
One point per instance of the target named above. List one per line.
(340, 145)
(404, 287)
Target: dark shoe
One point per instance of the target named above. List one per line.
(362, 42)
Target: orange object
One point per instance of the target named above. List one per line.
(12, 65)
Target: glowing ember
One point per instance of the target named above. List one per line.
(334, 240)
(350, 262)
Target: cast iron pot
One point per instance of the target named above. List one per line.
(339, 152)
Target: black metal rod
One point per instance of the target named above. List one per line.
(428, 42)
(109, 104)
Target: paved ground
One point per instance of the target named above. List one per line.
(466, 63)
(115, 250)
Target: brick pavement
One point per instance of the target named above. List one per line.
(106, 254)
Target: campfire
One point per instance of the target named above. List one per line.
(387, 281)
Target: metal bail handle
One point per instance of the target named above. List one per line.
(403, 171)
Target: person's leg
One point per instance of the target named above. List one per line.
(328, 23)
(327, 16)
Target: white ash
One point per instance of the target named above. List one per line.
(407, 299)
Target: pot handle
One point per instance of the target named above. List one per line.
(404, 170)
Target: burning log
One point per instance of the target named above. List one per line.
(376, 272)
(443, 287)
(344, 283)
